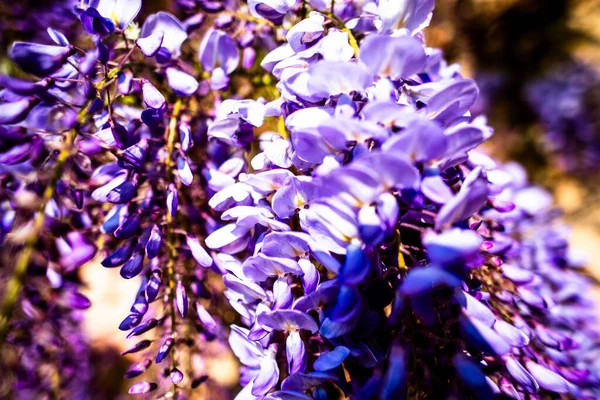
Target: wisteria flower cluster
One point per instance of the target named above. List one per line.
(310, 164)
(567, 103)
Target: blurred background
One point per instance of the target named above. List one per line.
(537, 63)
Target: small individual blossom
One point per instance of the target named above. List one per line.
(337, 201)
(121, 12)
(174, 34)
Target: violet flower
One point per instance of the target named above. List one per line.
(342, 201)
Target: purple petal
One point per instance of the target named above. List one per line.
(144, 344)
(12, 113)
(145, 327)
(412, 15)
(282, 294)
(261, 267)
(183, 84)
(96, 24)
(248, 57)
(172, 199)
(548, 379)
(108, 136)
(219, 80)
(436, 190)
(57, 37)
(453, 101)
(371, 228)
(125, 11)
(113, 219)
(331, 359)
(344, 314)
(301, 382)
(150, 45)
(483, 337)
(138, 369)
(154, 242)
(356, 267)
(393, 171)
(423, 280)
(78, 301)
(452, 246)
(512, 335)
(152, 97)
(518, 275)
(142, 388)
(128, 227)
(153, 117)
(250, 290)
(268, 181)
(393, 57)
(39, 59)
(394, 384)
(267, 377)
(133, 266)
(164, 350)
(555, 339)
(285, 320)
(521, 376)
(176, 376)
(310, 279)
(306, 32)
(130, 322)
(295, 194)
(153, 286)
(181, 299)
(136, 155)
(185, 136)
(532, 298)
(335, 46)
(206, 319)
(248, 352)
(295, 353)
(23, 87)
(140, 305)
(508, 388)
(123, 193)
(273, 10)
(465, 137)
(76, 253)
(184, 171)
(119, 256)
(16, 153)
(218, 49)
(421, 140)
(328, 78)
(326, 293)
(200, 255)
(286, 244)
(174, 31)
(470, 198)
(476, 309)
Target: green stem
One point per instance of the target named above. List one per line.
(171, 237)
(108, 101)
(17, 280)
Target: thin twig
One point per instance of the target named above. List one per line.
(171, 237)
(17, 280)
